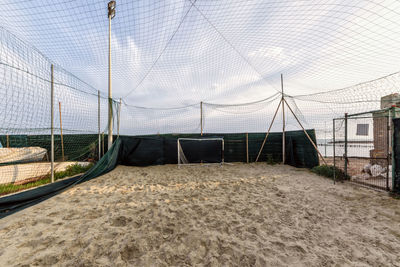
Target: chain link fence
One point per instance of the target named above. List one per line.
(363, 147)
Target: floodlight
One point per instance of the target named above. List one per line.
(111, 9)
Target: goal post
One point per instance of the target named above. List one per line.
(200, 150)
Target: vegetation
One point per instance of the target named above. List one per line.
(68, 172)
(329, 170)
(270, 159)
(71, 171)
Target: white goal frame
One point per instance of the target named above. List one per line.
(179, 148)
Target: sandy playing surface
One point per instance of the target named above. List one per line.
(241, 215)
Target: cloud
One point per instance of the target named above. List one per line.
(317, 46)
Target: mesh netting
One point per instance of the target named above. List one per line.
(25, 108)
(187, 51)
(185, 66)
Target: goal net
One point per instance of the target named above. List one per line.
(200, 150)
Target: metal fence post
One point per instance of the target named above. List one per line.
(345, 144)
(119, 116)
(52, 123)
(102, 136)
(388, 154)
(325, 138)
(283, 124)
(179, 155)
(98, 122)
(334, 153)
(61, 133)
(393, 115)
(247, 147)
(201, 118)
(223, 152)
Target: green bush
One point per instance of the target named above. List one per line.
(270, 160)
(328, 170)
(71, 171)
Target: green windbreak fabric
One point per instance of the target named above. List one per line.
(107, 163)
(162, 149)
(13, 203)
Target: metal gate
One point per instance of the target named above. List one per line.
(363, 147)
(396, 156)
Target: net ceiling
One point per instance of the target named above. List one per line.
(167, 56)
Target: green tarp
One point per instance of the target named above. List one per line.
(162, 149)
(13, 203)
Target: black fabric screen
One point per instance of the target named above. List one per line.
(206, 151)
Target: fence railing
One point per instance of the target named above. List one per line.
(363, 147)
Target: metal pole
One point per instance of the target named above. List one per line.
(8, 141)
(388, 154)
(334, 153)
(52, 124)
(201, 117)
(98, 121)
(223, 152)
(305, 132)
(269, 129)
(283, 125)
(345, 143)
(325, 139)
(61, 133)
(179, 155)
(102, 137)
(119, 116)
(110, 111)
(392, 141)
(247, 147)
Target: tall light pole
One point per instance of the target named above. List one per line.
(111, 15)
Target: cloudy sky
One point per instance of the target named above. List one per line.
(175, 53)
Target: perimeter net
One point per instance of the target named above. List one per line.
(185, 67)
(79, 115)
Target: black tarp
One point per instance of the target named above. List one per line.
(156, 150)
(141, 151)
(206, 151)
(162, 149)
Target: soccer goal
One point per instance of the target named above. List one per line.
(200, 150)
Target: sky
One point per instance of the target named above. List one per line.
(169, 54)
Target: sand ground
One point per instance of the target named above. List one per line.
(235, 215)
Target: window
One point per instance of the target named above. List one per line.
(362, 129)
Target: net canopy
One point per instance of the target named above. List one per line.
(168, 56)
(185, 68)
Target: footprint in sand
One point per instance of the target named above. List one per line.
(120, 221)
(248, 260)
(44, 221)
(130, 252)
(52, 214)
(167, 232)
